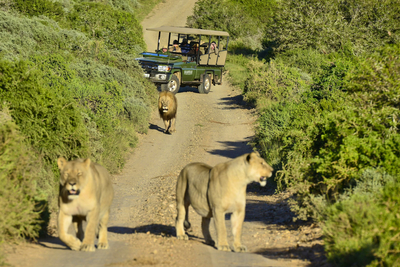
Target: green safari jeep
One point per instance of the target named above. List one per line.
(195, 57)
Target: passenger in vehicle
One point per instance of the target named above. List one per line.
(175, 47)
(185, 47)
(195, 50)
(164, 50)
(213, 49)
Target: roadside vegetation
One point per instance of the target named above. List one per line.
(69, 86)
(325, 79)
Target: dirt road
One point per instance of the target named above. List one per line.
(211, 128)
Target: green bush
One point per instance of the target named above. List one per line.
(364, 229)
(18, 192)
(118, 29)
(329, 26)
(50, 9)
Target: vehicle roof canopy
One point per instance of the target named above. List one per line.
(183, 30)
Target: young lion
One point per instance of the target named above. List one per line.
(167, 107)
(86, 193)
(213, 192)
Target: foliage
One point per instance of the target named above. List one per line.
(229, 16)
(50, 9)
(51, 122)
(118, 29)
(329, 26)
(18, 172)
(363, 230)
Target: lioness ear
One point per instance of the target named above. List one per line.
(248, 157)
(61, 163)
(87, 163)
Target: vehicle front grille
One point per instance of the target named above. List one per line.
(148, 66)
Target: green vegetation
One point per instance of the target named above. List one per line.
(324, 77)
(69, 86)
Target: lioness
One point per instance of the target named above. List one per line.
(213, 192)
(86, 193)
(167, 107)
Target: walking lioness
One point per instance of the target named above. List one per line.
(213, 192)
(86, 193)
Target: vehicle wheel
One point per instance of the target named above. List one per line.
(205, 86)
(173, 85)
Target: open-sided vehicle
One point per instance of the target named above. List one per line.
(197, 64)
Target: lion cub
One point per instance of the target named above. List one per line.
(215, 191)
(167, 107)
(86, 193)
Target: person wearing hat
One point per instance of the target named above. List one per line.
(185, 47)
(164, 50)
(175, 47)
(213, 48)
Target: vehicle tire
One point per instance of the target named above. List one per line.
(173, 85)
(205, 86)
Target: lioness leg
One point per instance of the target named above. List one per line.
(90, 234)
(205, 227)
(219, 220)
(181, 219)
(103, 241)
(64, 221)
(237, 219)
(77, 220)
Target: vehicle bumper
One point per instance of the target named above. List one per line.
(158, 77)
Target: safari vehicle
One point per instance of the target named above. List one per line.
(197, 65)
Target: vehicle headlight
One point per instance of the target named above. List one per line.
(164, 68)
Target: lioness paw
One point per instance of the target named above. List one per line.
(224, 248)
(210, 242)
(103, 246)
(75, 245)
(183, 237)
(240, 248)
(86, 247)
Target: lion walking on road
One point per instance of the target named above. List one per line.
(167, 107)
(215, 191)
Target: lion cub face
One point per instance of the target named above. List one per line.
(259, 169)
(73, 176)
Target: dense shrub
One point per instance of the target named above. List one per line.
(52, 123)
(18, 192)
(229, 16)
(363, 230)
(118, 29)
(331, 25)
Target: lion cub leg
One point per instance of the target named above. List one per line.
(205, 227)
(90, 234)
(219, 219)
(64, 221)
(237, 219)
(103, 241)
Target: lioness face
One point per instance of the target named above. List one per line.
(259, 169)
(73, 176)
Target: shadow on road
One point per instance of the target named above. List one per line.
(155, 229)
(233, 149)
(314, 254)
(234, 102)
(156, 127)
